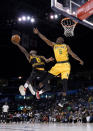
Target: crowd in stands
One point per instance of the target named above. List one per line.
(72, 109)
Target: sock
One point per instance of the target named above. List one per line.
(31, 89)
(26, 85)
(45, 89)
(40, 92)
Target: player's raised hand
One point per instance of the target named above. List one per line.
(81, 62)
(35, 30)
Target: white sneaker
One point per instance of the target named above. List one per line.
(31, 89)
(22, 90)
(59, 104)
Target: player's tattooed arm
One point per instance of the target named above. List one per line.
(24, 51)
(74, 55)
(48, 42)
(48, 60)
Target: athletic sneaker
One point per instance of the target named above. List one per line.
(62, 102)
(22, 90)
(59, 104)
(37, 95)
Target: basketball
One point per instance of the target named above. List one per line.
(15, 39)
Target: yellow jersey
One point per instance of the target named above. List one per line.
(60, 52)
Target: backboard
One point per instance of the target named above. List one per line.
(79, 10)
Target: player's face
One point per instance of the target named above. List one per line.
(33, 52)
(60, 40)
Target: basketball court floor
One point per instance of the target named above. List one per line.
(46, 127)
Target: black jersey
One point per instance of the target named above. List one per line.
(37, 62)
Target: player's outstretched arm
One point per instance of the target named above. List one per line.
(48, 42)
(48, 60)
(24, 51)
(74, 55)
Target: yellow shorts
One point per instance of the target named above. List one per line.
(61, 68)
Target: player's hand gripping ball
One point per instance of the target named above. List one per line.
(15, 39)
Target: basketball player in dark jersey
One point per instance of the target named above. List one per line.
(61, 52)
(38, 70)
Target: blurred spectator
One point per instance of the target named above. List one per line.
(5, 109)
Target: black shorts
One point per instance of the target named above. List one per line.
(37, 75)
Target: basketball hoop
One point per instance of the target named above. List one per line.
(69, 26)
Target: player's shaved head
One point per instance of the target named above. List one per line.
(60, 40)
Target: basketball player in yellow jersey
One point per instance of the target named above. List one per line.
(38, 70)
(61, 52)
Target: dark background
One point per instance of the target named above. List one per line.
(12, 62)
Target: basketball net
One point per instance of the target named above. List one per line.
(69, 26)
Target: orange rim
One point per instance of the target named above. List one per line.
(68, 25)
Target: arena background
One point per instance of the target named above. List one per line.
(14, 68)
